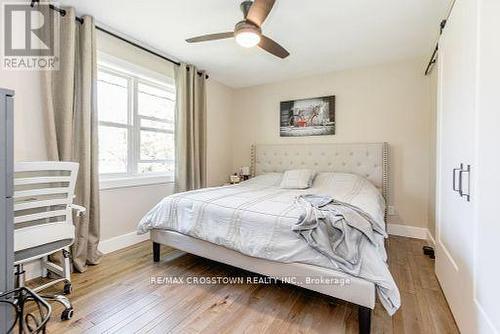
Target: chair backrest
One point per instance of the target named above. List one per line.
(43, 192)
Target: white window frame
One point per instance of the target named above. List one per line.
(134, 75)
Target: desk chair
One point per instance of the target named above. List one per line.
(43, 222)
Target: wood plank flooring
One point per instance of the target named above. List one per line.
(117, 297)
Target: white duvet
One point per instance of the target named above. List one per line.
(256, 217)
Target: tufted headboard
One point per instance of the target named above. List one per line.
(368, 160)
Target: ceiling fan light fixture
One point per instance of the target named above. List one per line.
(247, 32)
(247, 38)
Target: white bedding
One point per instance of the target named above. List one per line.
(256, 217)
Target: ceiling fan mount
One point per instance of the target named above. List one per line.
(245, 7)
(248, 32)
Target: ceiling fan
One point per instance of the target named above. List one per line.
(248, 32)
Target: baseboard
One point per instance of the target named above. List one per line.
(408, 231)
(121, 241)
(430, 238)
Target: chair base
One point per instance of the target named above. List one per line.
(64, 274)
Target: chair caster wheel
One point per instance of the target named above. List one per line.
(68, 288)
(67, 314)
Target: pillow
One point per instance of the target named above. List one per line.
(297, 179)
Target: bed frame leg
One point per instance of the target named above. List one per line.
(156, 252)
(364, 318)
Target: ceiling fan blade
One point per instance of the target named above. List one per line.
(272, 47)
(210, 37)
(259, 11)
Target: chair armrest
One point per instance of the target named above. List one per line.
(80, 210)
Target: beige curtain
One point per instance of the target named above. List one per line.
(190, 129)
(72, 113)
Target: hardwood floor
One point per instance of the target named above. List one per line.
(117, 297)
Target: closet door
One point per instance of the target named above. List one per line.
(456, 146)
(487, 248)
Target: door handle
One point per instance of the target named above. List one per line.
(460, 179)
(455, 179)
(460, 183)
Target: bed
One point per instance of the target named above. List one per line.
(248, 225)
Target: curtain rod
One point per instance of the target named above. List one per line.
(80, 20)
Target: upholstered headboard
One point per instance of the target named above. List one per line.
(368, 160)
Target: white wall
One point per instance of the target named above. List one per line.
(29, 125)
(122, 208)
(389, 103)
(431, 215)
(219, 116)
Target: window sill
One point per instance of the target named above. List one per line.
(134, 181)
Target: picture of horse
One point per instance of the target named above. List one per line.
(308, 117)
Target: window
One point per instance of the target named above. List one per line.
(136, 127)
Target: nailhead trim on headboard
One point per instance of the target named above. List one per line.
(385, 172)
(385, 182)
(252, 160)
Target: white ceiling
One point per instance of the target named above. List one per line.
(321, 35)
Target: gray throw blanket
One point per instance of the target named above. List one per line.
(346, 235)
